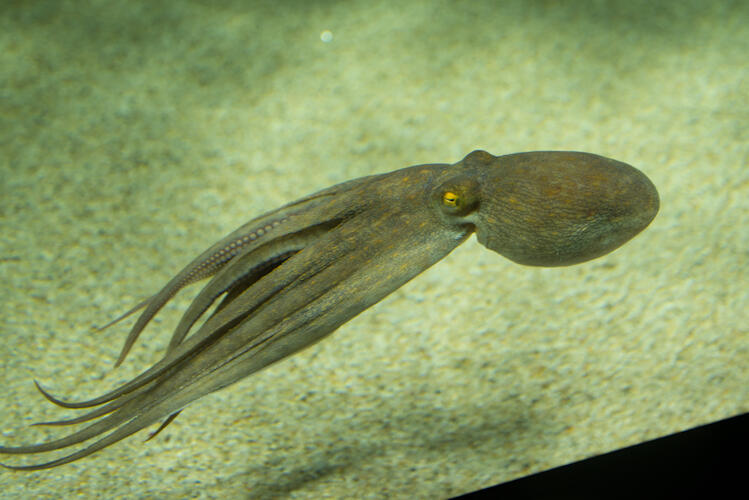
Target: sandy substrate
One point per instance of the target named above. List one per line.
(132, 138)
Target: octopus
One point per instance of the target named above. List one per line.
(293, 275)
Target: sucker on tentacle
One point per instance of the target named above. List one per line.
(294, 275)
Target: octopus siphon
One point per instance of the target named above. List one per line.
(290, 277)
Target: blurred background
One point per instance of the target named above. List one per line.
(135, 134)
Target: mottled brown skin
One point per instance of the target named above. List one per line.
(294, 275)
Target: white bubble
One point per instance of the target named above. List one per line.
(326, 36)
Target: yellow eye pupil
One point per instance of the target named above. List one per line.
(450, 199)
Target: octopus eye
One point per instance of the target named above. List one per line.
(458, 197)
(450, 199)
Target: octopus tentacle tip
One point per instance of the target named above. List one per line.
(162, 426)
(49, 397)
(129, 312)
(52, 423)
(64, 404)
(27, 467)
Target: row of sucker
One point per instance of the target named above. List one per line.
(217, 260)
